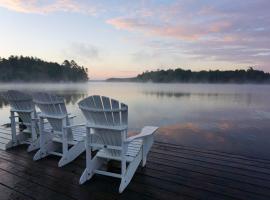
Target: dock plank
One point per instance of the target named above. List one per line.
(172, 172)
(9, 193)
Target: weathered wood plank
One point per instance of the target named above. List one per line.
(204, 184)
(199, 178)
(212, 152)
(261, 171)
(214, 156)
(7, 193)
(109, 186)
(172, 172)
(65, 180)
(210, 171)
(210, 165)
(29, 188)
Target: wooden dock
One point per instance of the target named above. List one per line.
(172, 172)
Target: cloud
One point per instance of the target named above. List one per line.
(82, 51)
(226, 31)
(47, 6)
(85, 50)
(150, 29)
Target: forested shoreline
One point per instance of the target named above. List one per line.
(30, 69)
(187, 76)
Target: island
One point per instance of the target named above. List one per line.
(187, 76)
(30, 69)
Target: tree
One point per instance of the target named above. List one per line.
(34, 69)
(216, 76)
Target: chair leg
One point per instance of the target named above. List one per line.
(144, 155)
(40, 154)
(72, 154)
(20, 138)
(46, 146)
(86, 175)
(130, 172)
(13, 129)
(93, 165)
(16, 139)
(144, 158)
(33, 127)
(147, 144)
(34, 145)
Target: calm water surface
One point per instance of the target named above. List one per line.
(230, 118)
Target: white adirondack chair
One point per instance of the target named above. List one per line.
(65, 139)
(107, 120)
(23, 105)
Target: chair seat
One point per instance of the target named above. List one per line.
(134, 148)
(47, 128)
(78, 132)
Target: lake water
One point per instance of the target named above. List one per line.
(223, 117)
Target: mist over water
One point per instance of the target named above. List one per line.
(224, 117)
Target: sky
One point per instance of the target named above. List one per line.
(122, 38)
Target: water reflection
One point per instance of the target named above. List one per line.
(70, 98)
(232, 118)
(222, 136)
(181, 94)
(246, 97)
(161, 94)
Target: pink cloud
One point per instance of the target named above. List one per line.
(225, 30)
(233, 32)
(35, 6)
(152, 29)
(219, 26)
(190, 32)
(122, 24)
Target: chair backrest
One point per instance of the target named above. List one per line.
(21, 103)
(108, 119)
(53, 107)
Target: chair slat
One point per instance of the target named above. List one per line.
(53, 106)
(116, 115)
(103, 114)
(124, 114)
(107, 106)
(23, 105)
(99, 115)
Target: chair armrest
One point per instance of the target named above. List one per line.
(52, 116)
(74, 125)
(70, 116)
(146, 131)
(26, 111)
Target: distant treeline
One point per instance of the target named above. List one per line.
(30, 69)
(134, 79)
(187, 76)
